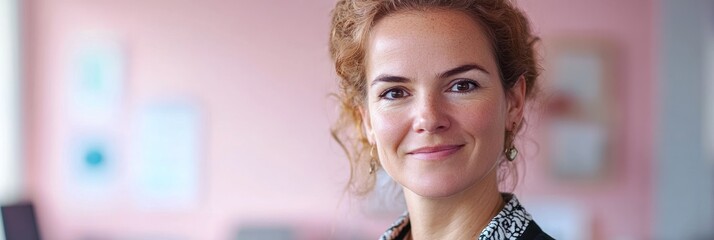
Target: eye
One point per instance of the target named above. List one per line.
(464, 85)
(394, 93)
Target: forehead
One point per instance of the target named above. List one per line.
(427, 40)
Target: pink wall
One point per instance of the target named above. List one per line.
(260, 72)
(621, 203)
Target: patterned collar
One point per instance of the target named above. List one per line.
(510, 223)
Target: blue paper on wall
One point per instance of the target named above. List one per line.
(92, 164)
(96, 82)
(164, 169)
(91, 149)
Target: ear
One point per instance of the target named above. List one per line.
(516, 97)
(366, 124)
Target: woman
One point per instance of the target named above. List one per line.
(433, 92)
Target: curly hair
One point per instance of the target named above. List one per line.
(506, 27)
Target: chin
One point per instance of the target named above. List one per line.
(437, 186)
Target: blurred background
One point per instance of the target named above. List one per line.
(210, 120)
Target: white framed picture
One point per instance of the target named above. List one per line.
(582, 109)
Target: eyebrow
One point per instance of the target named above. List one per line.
(462, 69)
(389, 79)
(454, 71)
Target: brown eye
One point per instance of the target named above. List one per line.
(464, 86)
(394, 93)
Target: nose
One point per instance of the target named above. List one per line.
(431, 115)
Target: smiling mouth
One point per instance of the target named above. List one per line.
(436, 152)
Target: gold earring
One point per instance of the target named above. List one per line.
(372, 161)
(511, 152)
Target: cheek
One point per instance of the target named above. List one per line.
(484, 121)
(390, 128)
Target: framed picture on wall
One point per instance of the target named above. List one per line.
(582, 109)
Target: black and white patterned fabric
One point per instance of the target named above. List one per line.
(510, 223)
(398, 230)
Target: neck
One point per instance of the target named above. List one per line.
(460, 216)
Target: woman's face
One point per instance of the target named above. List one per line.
(436, 108)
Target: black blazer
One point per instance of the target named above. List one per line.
(533, 232)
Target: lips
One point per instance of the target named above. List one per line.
(435, 152)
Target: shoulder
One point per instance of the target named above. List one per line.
(533, 232)
(513, 222)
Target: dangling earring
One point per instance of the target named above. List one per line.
(511, 152)
(372, 161)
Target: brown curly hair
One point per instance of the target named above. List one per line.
(506, 27)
